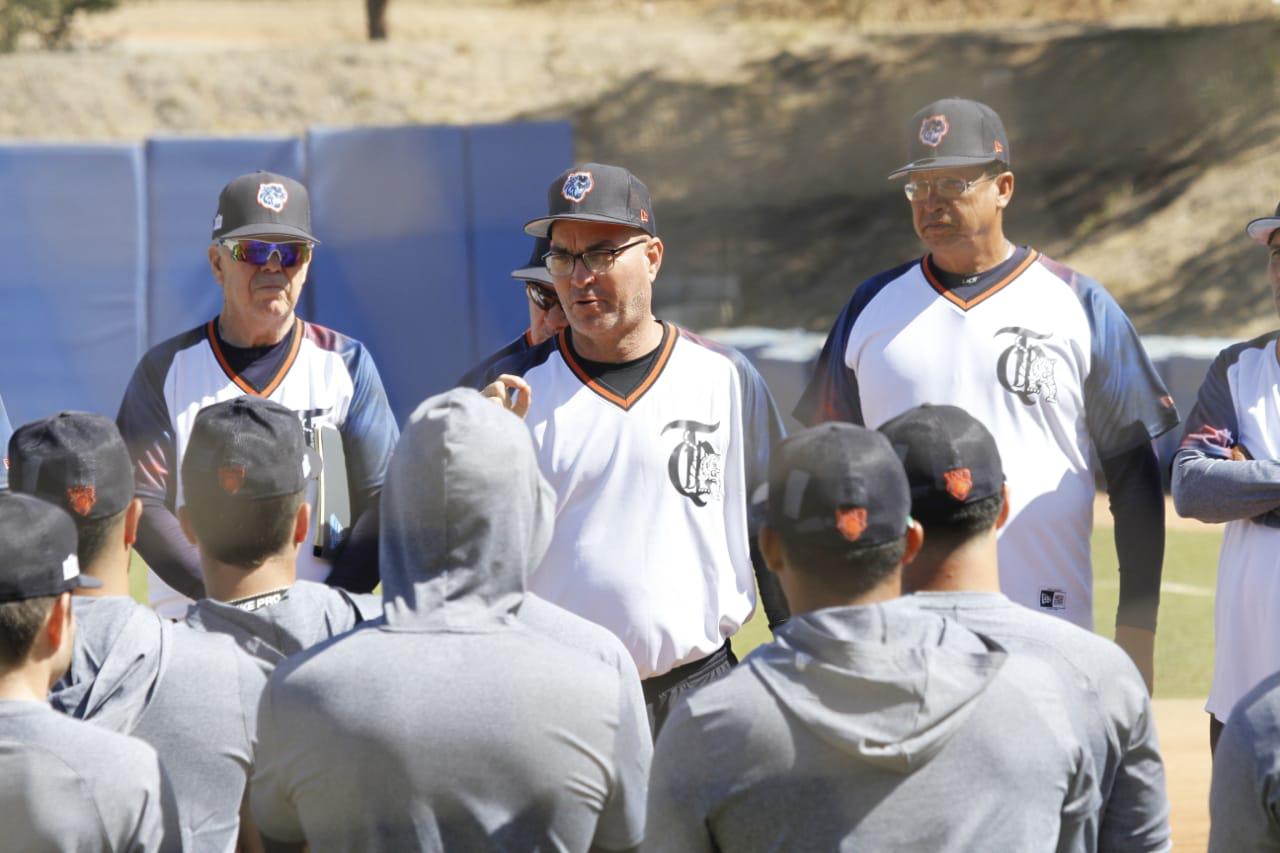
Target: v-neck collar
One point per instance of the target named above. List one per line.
(966, 304)
(243, 384)
(669, 335)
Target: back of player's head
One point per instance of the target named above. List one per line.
(839, 502)
(37, 564)
(954, 469)
(244, 475)
(79, 462)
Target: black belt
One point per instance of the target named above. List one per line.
(656, 685)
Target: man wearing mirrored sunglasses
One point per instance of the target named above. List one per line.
(546, 317)
(259, 256)
(652, 437)
(1039, 353)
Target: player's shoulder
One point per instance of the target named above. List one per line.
(330, 340)
(160, 356)
(1085, 288)
(714, 348)
(521, 361)
(1259, 345)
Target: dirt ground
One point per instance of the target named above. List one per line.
(1184, 741)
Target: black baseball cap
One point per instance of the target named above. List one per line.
(76, 460)
(247, 449)
(263, 204)
(839, 486)
(535, 269)
(1259, 230)
(596, 192)
(954, 132)
(950, 458)
(38, 543)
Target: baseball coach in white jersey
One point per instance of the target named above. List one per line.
(1039, 353)
(1226, 469)
(257, 345)
(653, 439)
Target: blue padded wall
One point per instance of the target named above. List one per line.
(184, 177)
(510, 167)
(390, 205)
(73, 276)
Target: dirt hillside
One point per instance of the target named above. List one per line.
(1143, 131)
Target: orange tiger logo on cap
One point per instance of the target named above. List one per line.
(81, 499)
(851, 523)
(231, 478)
(959, 482)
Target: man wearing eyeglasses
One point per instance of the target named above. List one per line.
(1040, 354)
(261, 251)
(546, 317)
(652, 438)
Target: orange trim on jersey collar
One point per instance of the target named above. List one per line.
(669, 335)
(212, 331)
(964, 305)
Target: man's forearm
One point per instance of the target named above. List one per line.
(1137, 505)
(1220, 490)
(162, 544)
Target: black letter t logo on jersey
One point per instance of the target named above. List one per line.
(1025, 368)
(694, 466)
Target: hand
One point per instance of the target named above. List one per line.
(499, 391)
(1139, 644)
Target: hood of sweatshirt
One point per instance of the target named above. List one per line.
(120, 654)
(887, 683)
(465, 516)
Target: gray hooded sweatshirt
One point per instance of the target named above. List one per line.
(306, 614)
(70, 787)
(192, 696)
(451, 724)
(1109, 704)
(1244, 801)
(878, 727)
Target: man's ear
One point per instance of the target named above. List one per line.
(184, 518)
(302, 523)
(771, 549)
(915, 540)
(1003, 517)
(1004, 185)
(653, 253)
(58, 629)
(215, 262)
(132, 516)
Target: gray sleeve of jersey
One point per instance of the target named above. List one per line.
(621, 824)
(1136, 815)
(1244, 800)
(677, 819)
(269, 796)
(1218, 490)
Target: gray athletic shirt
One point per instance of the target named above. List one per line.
(878, 727)
(68, 786)
(306, 614)
(1107, 698)
(1244, 800)
(192, 696)
(486, 734)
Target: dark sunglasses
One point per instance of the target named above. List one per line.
(542, 296)
(258, 252)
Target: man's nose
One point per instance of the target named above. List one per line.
(581, 276)
(273, 262)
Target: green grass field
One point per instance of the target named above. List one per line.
(1184, 638)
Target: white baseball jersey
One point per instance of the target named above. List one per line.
(1045, 359)
(651, 538)
(326, 377)
(1239, 406)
